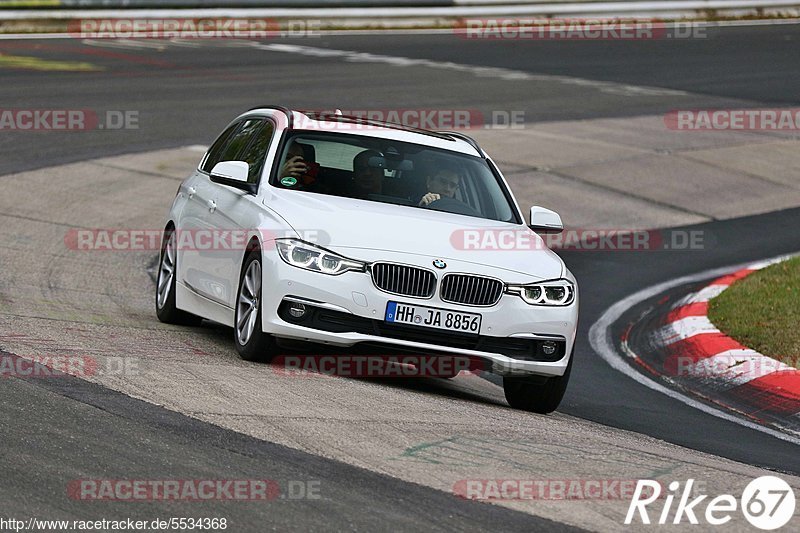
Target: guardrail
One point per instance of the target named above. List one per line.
(158, 4)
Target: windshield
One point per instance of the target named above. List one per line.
(384, 170)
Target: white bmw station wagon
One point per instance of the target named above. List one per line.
(345, 231)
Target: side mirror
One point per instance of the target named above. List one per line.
(233, 174)
(545, 221)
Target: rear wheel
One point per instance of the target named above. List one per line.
(165, 286)
(537, 394)
(251, 342)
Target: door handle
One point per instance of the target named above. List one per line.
(212, 206)
(192, 191)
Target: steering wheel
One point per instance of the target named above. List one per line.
(451, 205)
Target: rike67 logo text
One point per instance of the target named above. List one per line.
(767, 502)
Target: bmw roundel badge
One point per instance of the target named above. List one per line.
(438, 263)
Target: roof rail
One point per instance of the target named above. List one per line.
(464, 137)
(362, 120)
(285, 110)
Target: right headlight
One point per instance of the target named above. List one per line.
(559, 292)
(307, 256)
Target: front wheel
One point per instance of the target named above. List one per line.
(537, 394)
(251, 342)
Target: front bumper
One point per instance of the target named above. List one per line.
(349, 309)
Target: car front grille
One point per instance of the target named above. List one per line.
(471, 290)
(404, 280)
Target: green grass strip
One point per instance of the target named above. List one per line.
(762, 311)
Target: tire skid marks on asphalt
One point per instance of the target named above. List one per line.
(479, 71)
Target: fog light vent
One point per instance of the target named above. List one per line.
(297, 310)
(549, 347)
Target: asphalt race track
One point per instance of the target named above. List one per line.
(730, 66)
(63, 428)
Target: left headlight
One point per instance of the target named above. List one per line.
(559, 292)
(310, 257)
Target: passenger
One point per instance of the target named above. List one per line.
(298, 165)
(295, 164)
(443, 184)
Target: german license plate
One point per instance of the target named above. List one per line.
(430, 317)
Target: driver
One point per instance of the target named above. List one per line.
(443, 184)
(366, 179)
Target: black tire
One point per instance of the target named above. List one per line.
(258, 346)
(165, 307)
(537, 394)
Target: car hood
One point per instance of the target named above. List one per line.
(347, 225)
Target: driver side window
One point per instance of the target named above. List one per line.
(256, 153)
(214, 154)
(232, 143)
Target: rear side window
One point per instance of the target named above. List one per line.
(255, 154)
